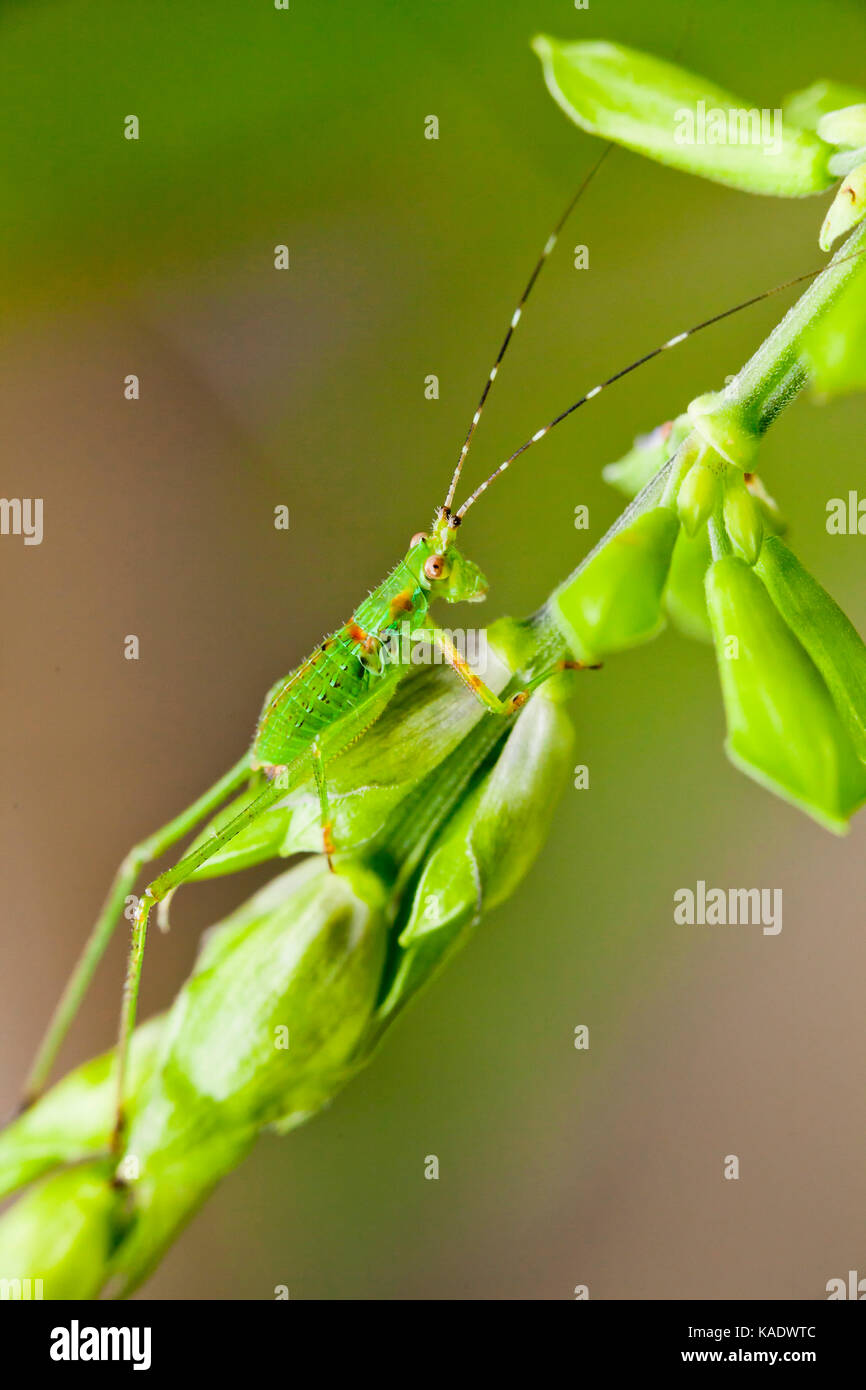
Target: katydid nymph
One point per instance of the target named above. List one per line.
(326, 703)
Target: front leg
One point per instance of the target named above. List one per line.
(482, 692)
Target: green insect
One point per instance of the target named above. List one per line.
(324, 705)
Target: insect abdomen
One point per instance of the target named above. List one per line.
(312, 698)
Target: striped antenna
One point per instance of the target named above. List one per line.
(632, 367)
(516, 316)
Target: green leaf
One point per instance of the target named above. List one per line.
(671, 115)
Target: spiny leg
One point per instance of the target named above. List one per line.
(482, 692)
(101, 933)
(321, 787)
(154, 893)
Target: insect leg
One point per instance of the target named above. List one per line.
(319, 774)
(94, 948)
(482, 692)
(154, 893)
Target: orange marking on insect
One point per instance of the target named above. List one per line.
(401, 603)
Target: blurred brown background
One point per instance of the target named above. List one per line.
(558, 1167)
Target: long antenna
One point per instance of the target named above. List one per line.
(632, 367)
(516, 316)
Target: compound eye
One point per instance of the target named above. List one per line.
(417, 538)
(434, 566)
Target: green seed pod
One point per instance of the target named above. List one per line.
(743, 520)
(846, 127)
(783, 727)
(697, 496)
(614, 601)
(56, 1240)
(685, 597)
(262, 1034)
(829, 637)
(73, 1120)
(303, 953)
(489, 844)
(847, 208)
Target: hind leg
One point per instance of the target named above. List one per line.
(156, 892)
(321, 787)
(103, 929)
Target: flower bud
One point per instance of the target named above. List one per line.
(685, 597)
(847, 208)
(783, 727)
(829, 637)
(697, 496)
(743, 520)
(768, 507)
(846, 127)
(722, 424)
(614, 600)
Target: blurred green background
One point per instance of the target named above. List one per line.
(306, 388)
